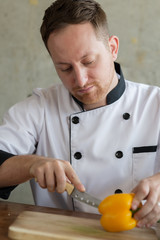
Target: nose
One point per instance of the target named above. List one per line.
(80, 77)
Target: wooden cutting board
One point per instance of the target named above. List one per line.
(44, 226)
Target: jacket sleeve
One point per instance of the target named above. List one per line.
(5, 191)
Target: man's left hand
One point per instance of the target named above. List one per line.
(148, 189)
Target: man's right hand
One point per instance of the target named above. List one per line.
(53, 173)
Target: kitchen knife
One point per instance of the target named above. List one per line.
(82, 196)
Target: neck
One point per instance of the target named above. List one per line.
(88, 107)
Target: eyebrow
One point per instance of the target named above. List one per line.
(61, 63)
(65, 63)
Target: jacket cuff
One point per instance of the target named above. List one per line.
(5, 191)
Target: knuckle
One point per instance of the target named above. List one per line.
(156, 209)
(144, 186)
(144, 191)
(61, 164)
(151, 202)
(67, 165)
(38, 171)
(42, 185)
(60, 190)
(57, 163)
(47, 166)
(47, 163)
(72, 177)
(144, 182)
(51, 188)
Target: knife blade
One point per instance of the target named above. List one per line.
(82, 196)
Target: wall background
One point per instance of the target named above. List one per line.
(25, 63)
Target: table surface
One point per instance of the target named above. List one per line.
(9, 211)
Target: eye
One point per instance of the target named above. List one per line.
(89, 62)
(67, 69)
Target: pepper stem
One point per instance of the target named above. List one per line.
(134, 211)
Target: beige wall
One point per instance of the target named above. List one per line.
(25, 63)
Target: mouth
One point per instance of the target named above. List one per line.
(84, 90)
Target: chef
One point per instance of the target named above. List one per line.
(95, 129)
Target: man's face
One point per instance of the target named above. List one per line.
(84, 63)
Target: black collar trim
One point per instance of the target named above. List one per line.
(116, 92)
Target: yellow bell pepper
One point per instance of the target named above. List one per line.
(116, 212)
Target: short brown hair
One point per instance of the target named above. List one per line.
(64, 12)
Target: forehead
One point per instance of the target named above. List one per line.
(72, 32)
(75, 39)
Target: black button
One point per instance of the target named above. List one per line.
(118, 191)
(75, 120)
(126, 116)
(77, 155)
(119, 154)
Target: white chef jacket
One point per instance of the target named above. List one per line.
(110, 148)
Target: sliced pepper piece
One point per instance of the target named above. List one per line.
(116, 212)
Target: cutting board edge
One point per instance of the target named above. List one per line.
(12, 234)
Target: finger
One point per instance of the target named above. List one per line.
(151, 218)
(153, 221)
(155, 217)
(37, 171)
(149, 214)
(60, 176)
(40, 179)
(73, 178)
(148, 207)
(45, 175)
(50, 181)
(141, 193)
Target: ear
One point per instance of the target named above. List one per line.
(114, 45)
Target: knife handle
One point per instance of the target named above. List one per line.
(69, 188)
